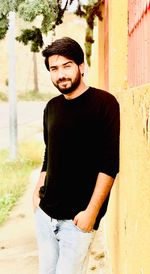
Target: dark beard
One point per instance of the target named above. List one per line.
(68, 90)
(73, 86)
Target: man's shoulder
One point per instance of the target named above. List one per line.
(54, 101)
(104, 96)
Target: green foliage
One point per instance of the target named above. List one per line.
(49, 10)
(5, 7)
(4, 10)
(34, 35)
(51, 13)
(3, 26)
(89, 13)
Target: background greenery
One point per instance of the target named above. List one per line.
(52, 14)
(14, 175)
(28, 96)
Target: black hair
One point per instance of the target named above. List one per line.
(66, 47)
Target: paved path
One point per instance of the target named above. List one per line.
(18, 250)
(30, 120)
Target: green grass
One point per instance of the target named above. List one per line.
(34, 96)
(29, 96)
(14, 175)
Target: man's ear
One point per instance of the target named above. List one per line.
(82, 67)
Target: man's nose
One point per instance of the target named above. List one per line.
(61, 73)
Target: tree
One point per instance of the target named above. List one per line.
(35, 74)
(51, 12)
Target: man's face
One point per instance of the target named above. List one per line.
(66, 75)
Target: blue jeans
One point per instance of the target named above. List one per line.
(63, 247)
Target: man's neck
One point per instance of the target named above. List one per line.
(77, 92)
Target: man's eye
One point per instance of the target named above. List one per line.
(67, 66)
(53, 69)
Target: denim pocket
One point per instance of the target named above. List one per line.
(81, 230)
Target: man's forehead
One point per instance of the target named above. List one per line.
(58, 60)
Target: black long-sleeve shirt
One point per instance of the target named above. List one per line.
(82, 139)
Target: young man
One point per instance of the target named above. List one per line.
(81, 134)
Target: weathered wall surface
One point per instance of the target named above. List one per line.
(128, 218)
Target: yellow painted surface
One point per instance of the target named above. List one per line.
(93, 70)
(118, 39)
(96, 70)
(128, 218)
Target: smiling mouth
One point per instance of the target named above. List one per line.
(64, 82)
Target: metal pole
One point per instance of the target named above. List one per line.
(12, 88)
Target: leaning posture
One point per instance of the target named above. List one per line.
(81, 161)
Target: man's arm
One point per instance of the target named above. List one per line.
(109, 162)
(40, 183)
(86, 219)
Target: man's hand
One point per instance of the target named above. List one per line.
(84, 220)
(35, 197)
(36, 201)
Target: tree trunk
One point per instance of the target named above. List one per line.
(35, 72)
